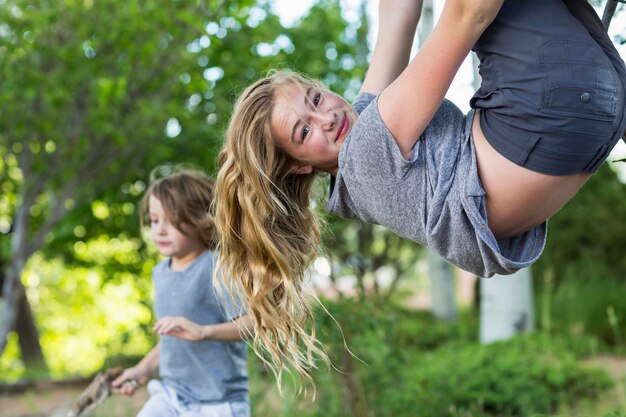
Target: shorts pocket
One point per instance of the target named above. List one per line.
(580, 90)
(581, 102)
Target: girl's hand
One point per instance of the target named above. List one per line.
(129, 381)
(180, 327)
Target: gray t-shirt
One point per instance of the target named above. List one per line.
(435, 197)
(204, 371)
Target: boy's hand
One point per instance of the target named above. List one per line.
(128, 382)
(180, 327)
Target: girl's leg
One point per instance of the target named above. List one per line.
(551, 98)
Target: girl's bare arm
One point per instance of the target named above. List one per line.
(410, 102)
(397, 22)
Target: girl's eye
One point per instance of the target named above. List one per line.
(316, 99)
(305, 131)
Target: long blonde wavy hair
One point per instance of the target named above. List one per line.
(268, 234)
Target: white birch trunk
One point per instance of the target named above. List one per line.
(506, 306)
(442, 287)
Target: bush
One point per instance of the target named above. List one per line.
(588, 304)
(512, 378)
(410, 365)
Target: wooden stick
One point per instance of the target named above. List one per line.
(98, 391)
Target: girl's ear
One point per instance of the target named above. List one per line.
(305, 169)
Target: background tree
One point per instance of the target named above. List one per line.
(102, 92)
(91, 87)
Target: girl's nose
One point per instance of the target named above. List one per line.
(326, 120)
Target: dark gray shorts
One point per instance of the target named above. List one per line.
(553, 89)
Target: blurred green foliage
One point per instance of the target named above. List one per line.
(405, 363)
(102, 93)
(86, 315)
(579, 279)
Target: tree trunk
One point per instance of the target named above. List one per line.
(28, 337)
(13, 294)
(26, 330)
(442, 288)
(18, 316)
(506, 306)
(358, 404)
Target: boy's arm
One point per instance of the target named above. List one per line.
(239, 329)
(144, 370)
(149, 365)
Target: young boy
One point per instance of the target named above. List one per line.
(201, 356)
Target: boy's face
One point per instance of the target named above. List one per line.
(170, 241)
(311, 125)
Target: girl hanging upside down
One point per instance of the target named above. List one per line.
(478, 188)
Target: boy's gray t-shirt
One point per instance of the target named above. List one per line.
(202, 371)
(435, 197)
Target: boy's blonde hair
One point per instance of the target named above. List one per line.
(186, 196)
(268, 232)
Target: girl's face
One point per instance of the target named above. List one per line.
(171, 242)
(310, 126)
